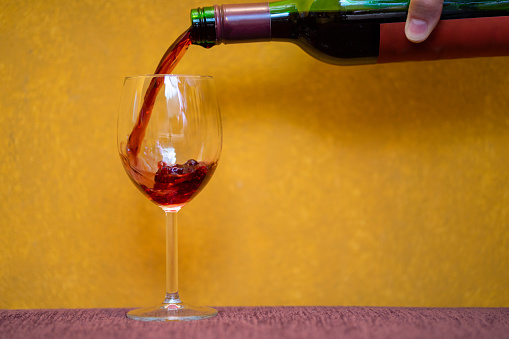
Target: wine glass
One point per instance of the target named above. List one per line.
(169, 141)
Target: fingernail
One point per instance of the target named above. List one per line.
(416, 30)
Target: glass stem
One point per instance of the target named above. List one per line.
(172, 294)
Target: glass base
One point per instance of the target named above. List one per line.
(172, 312)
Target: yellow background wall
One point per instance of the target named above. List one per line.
(367, 185)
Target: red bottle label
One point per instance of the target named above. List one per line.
(451, 39)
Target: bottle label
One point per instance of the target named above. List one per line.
(451, 39)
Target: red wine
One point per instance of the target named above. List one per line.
(167, 64)
(172, 185)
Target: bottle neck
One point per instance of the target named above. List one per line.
(232, 23)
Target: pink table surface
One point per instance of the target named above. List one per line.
(264, 322)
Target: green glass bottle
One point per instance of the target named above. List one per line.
(346, 32)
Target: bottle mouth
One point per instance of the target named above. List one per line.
(203, 22)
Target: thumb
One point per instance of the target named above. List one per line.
(423, 16)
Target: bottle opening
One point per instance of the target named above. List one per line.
(203, 22)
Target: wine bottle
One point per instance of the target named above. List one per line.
(352, 32)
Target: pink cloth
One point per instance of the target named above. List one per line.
(264, 322)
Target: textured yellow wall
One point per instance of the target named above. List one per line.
(368, 185)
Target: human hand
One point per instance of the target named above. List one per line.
(423, 16)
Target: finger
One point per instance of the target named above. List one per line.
(423, 16)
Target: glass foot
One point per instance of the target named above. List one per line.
(172, 312)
